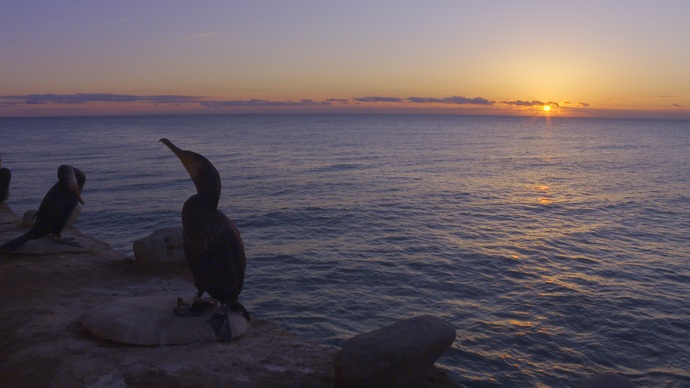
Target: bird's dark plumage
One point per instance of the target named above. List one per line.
(213, 247)
(55, 209)
(5, 177)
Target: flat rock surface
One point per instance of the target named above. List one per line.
(150, 320)
(43, 343)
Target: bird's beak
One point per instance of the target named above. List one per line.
(172, 147)
(186, 157)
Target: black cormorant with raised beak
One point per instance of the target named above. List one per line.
(5, 177)
(55, 209)
(212, 244)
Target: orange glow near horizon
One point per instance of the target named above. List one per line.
(85, 104)
(266, 57)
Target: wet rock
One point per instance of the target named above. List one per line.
(400, 354)
(162, 246)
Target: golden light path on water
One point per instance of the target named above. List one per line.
(556, 246)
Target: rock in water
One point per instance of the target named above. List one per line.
(160, 247)
(400, 354)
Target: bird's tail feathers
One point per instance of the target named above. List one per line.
(13, 245)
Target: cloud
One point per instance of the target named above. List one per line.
(524, 103)
(205, 102)
(260, 103)
(458, 100)
(378, 99)
(421, 100)
(82, 98)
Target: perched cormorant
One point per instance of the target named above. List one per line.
(5, 176)
(55, 209)
(212, 244)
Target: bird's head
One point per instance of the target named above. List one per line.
(201, 170)
(67, 177)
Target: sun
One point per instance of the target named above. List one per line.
(547, 108)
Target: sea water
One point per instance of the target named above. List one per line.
(558, 248)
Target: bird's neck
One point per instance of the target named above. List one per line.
(209, 189)
(206, 201)
(198, 207)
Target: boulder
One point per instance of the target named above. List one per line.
(400, 354)
(163, 246)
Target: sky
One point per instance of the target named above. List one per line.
(602, 58)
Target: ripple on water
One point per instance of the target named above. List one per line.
(556, 249)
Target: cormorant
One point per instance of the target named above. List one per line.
(5, 177)
(212, 244)
(55, 209)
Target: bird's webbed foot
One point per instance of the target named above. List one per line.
(221, 326)
(197, 307)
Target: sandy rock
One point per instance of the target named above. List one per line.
(400, 354)
(160, 247)
(43, 343)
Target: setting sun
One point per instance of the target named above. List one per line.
(282, 61)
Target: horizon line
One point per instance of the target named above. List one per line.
(112, 104)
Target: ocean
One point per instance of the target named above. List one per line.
(557, 247)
